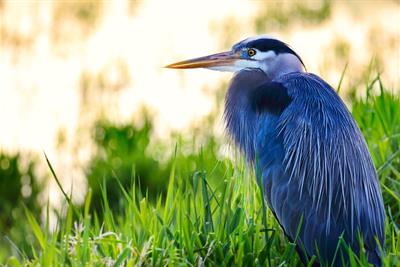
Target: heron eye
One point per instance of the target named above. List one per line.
(251, 52)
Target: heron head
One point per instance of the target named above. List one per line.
(261, 52)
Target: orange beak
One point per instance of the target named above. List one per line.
(221, 59)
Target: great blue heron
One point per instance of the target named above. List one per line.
(300, 137)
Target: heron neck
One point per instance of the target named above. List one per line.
(283, 64)
(239, 115)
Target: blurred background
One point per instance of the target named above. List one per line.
(83, 81)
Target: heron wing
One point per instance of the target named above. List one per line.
(316, 167)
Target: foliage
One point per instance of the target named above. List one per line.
(121, 155)
(378, 116)
(197, 221)
(127, 152)
(19, 188)
(282, 15)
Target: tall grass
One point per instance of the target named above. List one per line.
(196, 224)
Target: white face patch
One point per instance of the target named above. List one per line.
(239, 65)
(263, 55)
(232, 68)
(243, 64)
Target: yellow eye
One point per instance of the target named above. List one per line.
(251, 52)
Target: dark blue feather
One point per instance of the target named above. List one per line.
(270, 97)
(313, 160)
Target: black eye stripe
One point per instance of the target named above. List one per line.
(265, 45)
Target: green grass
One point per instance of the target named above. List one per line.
(195, 223)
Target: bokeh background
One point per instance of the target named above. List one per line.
(83, 81)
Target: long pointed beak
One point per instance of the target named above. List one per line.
(221, 59)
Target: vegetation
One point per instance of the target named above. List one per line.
(159, 203)
(209, 213)
(283, 15)
(19, 188)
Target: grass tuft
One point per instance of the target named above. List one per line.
(198, 223)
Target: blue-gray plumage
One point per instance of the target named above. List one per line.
(302, 140)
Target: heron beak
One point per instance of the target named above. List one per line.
(216, 60)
